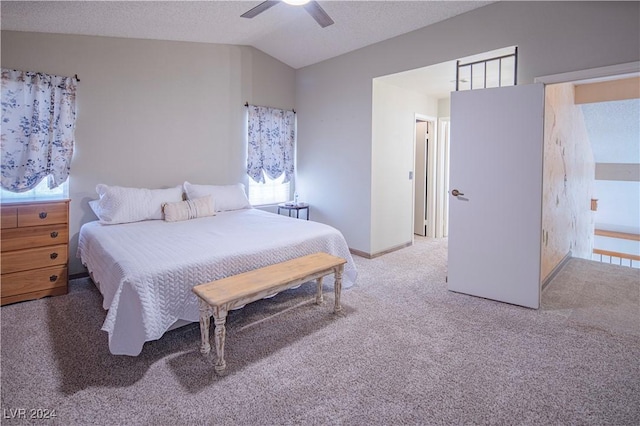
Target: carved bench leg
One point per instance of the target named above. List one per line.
(319, 298)
(338, 287)
(205, 314)
(219, 319)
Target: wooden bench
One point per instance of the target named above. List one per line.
(218, 297)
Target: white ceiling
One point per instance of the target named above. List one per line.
(285, 32)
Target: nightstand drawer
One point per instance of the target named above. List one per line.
(36, 236)
(9, 217)
(23, 260)
(42, 214)
(32, 281)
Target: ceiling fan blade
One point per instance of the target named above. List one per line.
(259, 9)
(318, 14)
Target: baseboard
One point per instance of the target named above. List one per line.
(78, 276)
(360, 253)
(380, 253)
(555, 270)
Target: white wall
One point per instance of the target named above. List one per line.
(618, 210)
(444, 107)
(618, 206)
(153, 113)
(334, 98)
(394, 117)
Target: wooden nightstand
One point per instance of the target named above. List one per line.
(35, 249)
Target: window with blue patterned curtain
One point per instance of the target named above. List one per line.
(270, 154)
(38, 126)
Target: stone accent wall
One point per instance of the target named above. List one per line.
(568, 180)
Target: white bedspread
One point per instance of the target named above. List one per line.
(145, 270)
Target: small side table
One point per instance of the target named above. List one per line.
(294, 207)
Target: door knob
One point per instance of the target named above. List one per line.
(455, 193)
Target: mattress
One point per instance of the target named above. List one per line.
(145, 270)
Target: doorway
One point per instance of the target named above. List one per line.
(577, 153)
(405, 82)
(424, 176)
(431, 180)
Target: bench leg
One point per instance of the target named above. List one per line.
(319, 298)
(338, 287)
(205, 314)
(219, 319)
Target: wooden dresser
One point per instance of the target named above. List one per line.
(35, 250)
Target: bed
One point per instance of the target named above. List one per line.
(145, 270)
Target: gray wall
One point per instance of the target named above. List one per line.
(334, 98)
(156, 113)
(153, 113)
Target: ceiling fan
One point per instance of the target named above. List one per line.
(314, 9)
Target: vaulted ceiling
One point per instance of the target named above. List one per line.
(285, 32)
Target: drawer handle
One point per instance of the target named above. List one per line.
(53, 278)
(53, 255)
(54, 234)
(43, 215)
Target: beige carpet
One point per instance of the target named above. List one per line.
(406, 351)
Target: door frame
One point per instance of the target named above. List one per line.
(591, 74)
(430, 198)
(442, 193)
(617, 70)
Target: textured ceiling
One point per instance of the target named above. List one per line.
(285, 32)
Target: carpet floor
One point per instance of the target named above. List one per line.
(405, 351)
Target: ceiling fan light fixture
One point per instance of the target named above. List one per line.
(311, 6)
(296, 2)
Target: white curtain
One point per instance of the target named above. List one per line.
(38, 125)
(271, 137)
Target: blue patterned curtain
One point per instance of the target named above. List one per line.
(38, 125)
(271, 143)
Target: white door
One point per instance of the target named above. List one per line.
(496, 168)
(420, 179)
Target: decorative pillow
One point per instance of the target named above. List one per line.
(118, 204)
(189, 209)
(225, 197)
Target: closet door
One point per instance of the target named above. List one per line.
(420, 180)
(495, 204)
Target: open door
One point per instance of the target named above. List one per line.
(495, 209)
(420, 178)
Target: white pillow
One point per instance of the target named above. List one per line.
(118, 204)
(188, 209)
(225, 197)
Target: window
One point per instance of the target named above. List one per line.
(38, 125)
(271, 135)
(485, 70)
(272, 191)
(40, 191)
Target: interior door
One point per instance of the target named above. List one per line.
(420, 179)
(495, 209)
